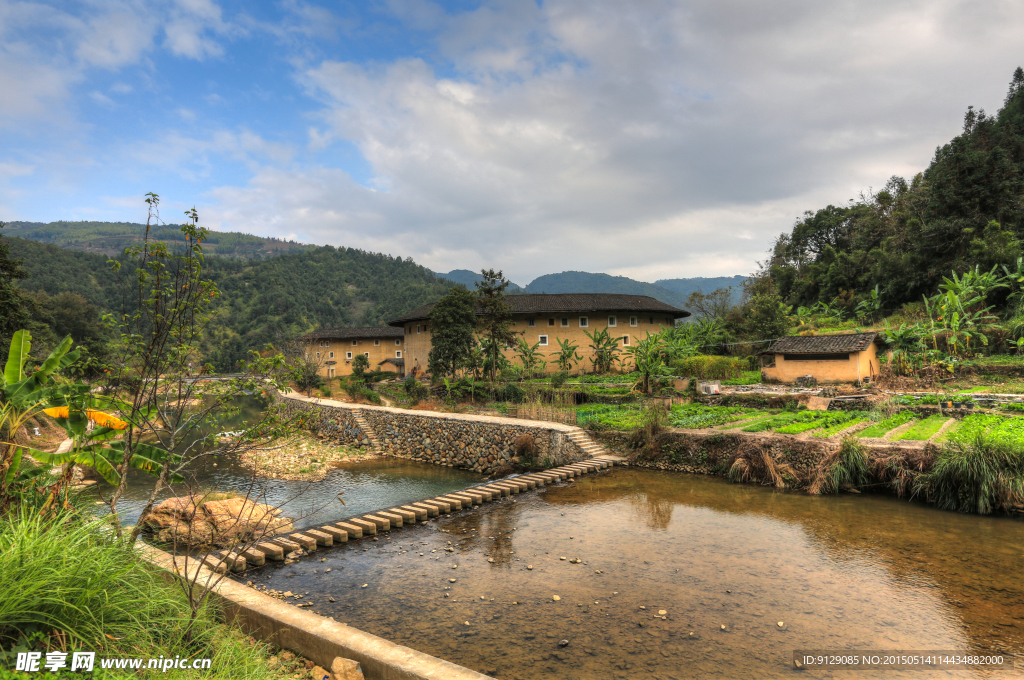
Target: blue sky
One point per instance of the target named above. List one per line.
(652, 139)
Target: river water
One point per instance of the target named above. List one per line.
(847, 572)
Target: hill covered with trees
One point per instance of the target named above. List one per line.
(965, 210)
(111, 238)
(262, 301)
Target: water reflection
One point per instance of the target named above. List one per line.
(847, 572)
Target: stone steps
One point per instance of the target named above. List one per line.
(367, 431)
(278, 548)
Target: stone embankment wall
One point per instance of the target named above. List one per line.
(331, 424)
(479, 443)
(712, 453)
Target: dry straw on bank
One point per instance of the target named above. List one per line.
(754, 463)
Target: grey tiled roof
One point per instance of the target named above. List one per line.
(395, 362)
(822, 344)
(568, 303)
(355, 333)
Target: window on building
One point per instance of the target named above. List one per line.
(327, 343)
(398, 354)
(376, 343)
(321, 343)
(332, 355)
(551, 322)
(366, 354)
(318, 355)
(612, 322)
(543, 340)
(650, 320)
(531, 322)
(633, 321)
(355, 342)
(816, 357)
(565, 322)
(583, 322)
(398, 343)
(625, 341)
(348, 355)
(419, 329)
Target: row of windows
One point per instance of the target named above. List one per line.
(543, 340)
(376, 343)
(348, 355)
(613, 321)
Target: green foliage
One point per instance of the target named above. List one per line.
(847, 468)
(513, 393)
(979, 476)
(13, 305)
(924, 429)
(768, 317)
(710, 367)
(529, 355)
(495, 325)
(558, 379)
(696, 416)
(881, 428)
(605, 349)
(452, 324)
(567, 357)
(359, 365)
(962, 214)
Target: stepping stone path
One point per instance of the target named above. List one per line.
(277, 548)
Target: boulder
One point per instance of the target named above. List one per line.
(346, 669)
(225, 522)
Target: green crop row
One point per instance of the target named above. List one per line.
(879, 429)
(924, 429)
(694, 416)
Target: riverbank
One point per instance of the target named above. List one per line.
(301, 458)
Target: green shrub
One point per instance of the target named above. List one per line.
(709, 367)
(981, 476)
(513, 393)
(558, 379)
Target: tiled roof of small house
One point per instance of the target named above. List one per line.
(823, 344)
(393, 361)
(568, 303)
(355, 333)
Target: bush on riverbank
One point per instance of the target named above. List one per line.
(983, 475)
(65, 584)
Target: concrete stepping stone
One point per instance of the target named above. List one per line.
(443, 507)
(321, 538)
(431, 510)
(421, 514)
(216, 563)
(254, 557)
(288, 544)
(381, 523)
(339, 535)
(307, 542)
(456, 503)
(467, 500)
(369, 528)
(396, 521)
(403, 517)
(270, 550)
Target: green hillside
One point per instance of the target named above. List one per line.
(262, 301)
(111, 238)
(965, 210)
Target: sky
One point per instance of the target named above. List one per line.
(651, 139)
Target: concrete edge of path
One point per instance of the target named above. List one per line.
(315, 637)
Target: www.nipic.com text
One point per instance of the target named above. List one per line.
(85, 661)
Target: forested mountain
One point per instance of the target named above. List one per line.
(111, 238)
(262, 301)
(965, 210)
(469, 279)
(585, 282)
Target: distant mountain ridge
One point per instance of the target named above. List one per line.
(670, 291)
(111, 238)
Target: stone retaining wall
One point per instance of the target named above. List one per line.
(331, 424)
(479, 443)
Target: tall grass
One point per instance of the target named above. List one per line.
(844, 468)
(65, 584)
(980, 475)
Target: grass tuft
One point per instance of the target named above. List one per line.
(983, 475)
(844, 468)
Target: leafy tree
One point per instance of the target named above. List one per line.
(495, 324)
(13, 306)
(768, 317)
(648, 357)
(529, 355)
(452, 325)
(605, 348)
(713, 305)
(359, 365)
(567, 356)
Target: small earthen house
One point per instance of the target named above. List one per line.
(827, 358)
(335, 348)
(546, 319)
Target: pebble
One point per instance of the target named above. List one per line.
(561, 558)
(529, 567)
(491, 560)
(597, 571)
(563, 643)
(455, 566)
(642, 607)
(662, 612)
(556, 598)
(364, 585)
(331, 599)
(328, 569)
(451, 580)
(780, 624)
(467, 623)
(323, 559)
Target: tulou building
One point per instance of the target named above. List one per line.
(546, 319)
(334, 349)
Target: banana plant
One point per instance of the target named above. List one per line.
(528, 354)
(567, 355)
(605, 348)
(648, 356)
